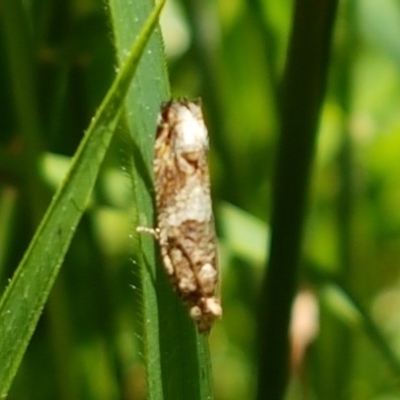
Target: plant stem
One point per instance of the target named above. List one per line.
(303, 91)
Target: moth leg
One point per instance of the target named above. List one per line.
(169, 268)
(155, 232)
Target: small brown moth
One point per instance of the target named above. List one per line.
(185, 231)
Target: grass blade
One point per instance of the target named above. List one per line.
(177, 359)
(25, 296)
(303, 90)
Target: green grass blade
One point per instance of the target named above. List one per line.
(148, 90)
(177, 359)
(303, 90)
(345, 306)
(25, 296)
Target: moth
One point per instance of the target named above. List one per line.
(185, 231)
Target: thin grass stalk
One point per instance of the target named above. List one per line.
(303, 90)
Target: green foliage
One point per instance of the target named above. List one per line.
(324, 170)
(28, 290)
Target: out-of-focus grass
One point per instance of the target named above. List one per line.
(230, 53)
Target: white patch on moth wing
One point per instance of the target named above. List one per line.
(194, 205)
(207, 277)
(213, 306)
(191, 132)
(204, 314)
(195, 312)
(186, 285)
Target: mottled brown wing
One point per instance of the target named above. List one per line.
(184, 211)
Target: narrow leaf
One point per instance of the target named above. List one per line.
(25, 296)
(176, 357)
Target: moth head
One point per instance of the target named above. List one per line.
(183, 120)
(190, 130)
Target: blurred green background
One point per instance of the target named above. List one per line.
(230, 53)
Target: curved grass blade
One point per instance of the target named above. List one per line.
(25, 296)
